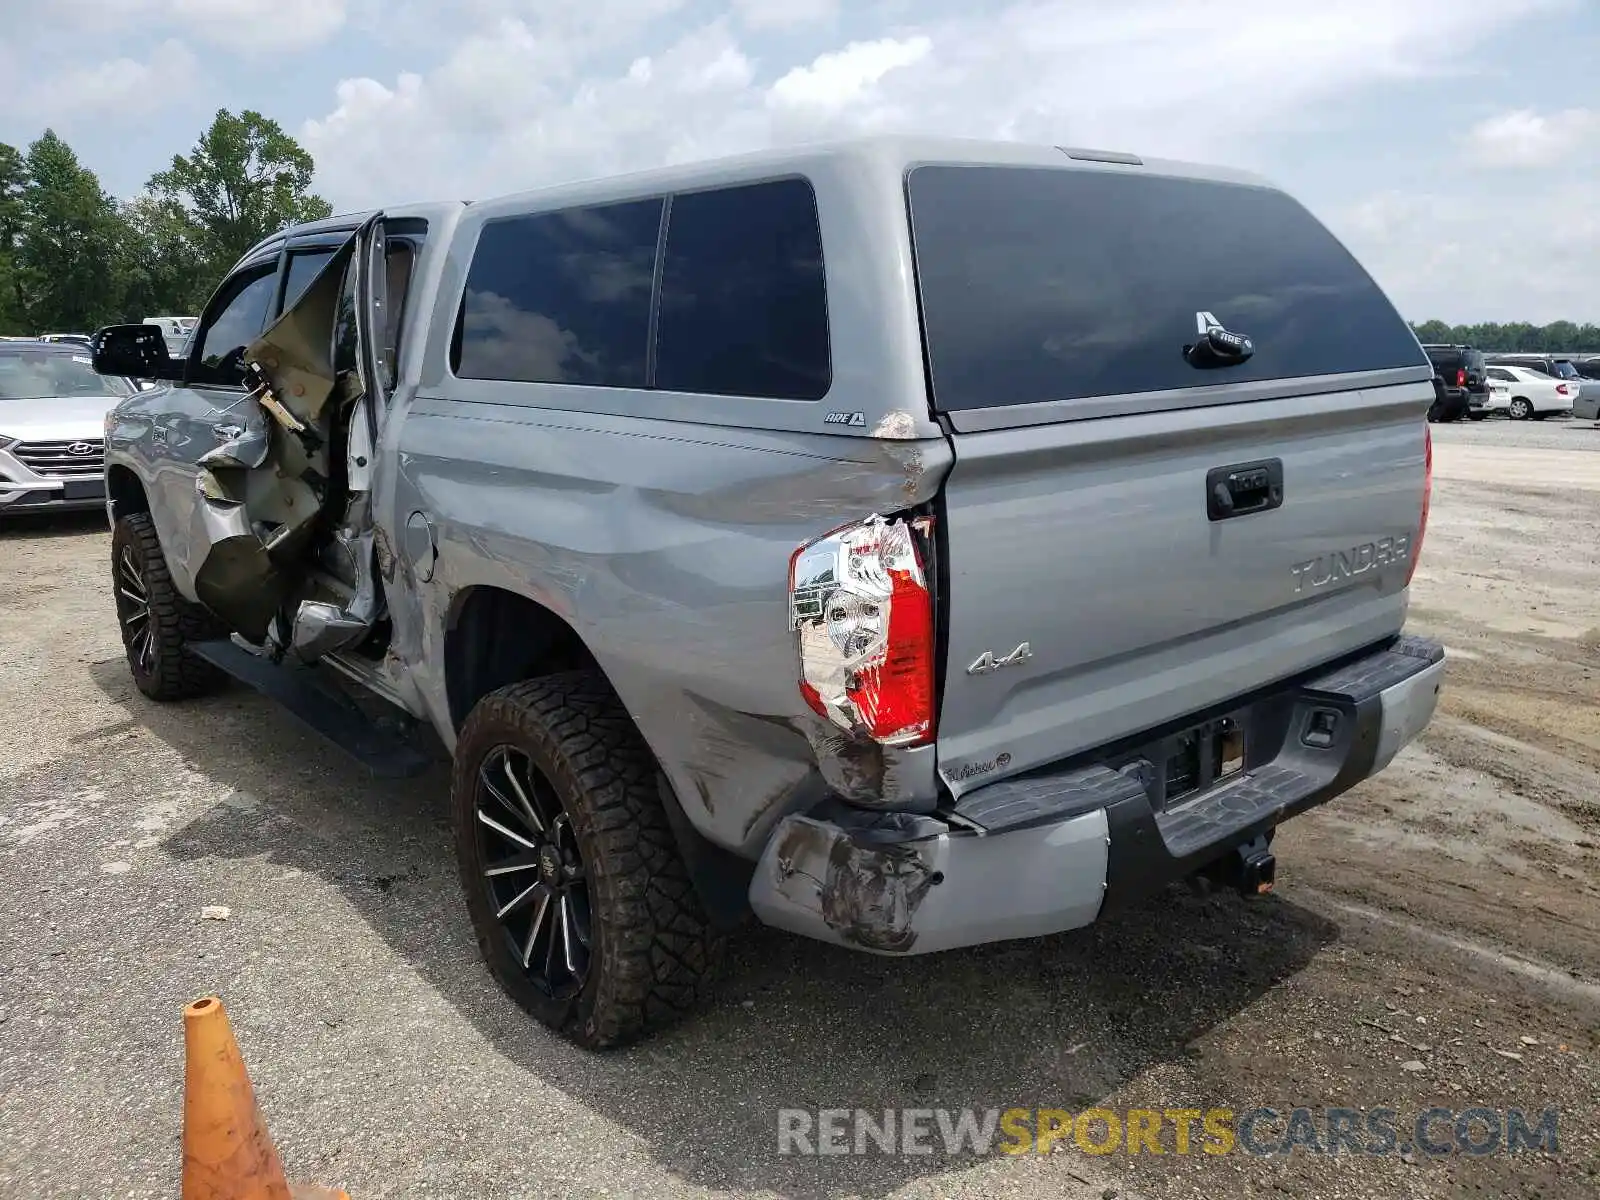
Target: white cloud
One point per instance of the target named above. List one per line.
(251, 26)
(848, 78)
(260, 26)
(1465, 256)
(532, 94)
(529, 92)
(1525, 138)
(119, 89)
(784, 14)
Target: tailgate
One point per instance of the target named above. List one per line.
(1110, 346)
(1091, 543)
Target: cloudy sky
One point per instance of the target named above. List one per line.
(1454, 144)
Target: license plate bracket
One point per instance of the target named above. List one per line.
(84, 489)
(1201, 757)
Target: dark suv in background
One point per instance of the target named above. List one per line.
(1557, 366)
(1461, 383)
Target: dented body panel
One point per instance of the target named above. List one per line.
(671, 568)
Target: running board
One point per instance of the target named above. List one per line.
(319, 707)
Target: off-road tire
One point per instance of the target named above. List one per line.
(654, 953)
(172, 672)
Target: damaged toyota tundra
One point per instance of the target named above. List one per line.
(906, 543)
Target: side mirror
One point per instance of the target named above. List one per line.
(134, 351)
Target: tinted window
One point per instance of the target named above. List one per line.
(561, 297)
(1502, 374)
(303, 268)
(1042, 284)
(743, 306)
(1444, 359)
(241, 319)
(46, 374)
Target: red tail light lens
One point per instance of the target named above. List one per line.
(862, 615)
(1561, 389)
(1461, 378)
(1427, 494)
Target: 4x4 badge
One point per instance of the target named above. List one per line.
(986, 662)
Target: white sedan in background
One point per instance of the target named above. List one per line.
(1525, 393)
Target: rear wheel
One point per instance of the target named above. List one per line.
(1478, 416)
(157, 622)
(582, 906)
(1521, 409)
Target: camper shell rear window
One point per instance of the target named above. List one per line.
(1044, 284)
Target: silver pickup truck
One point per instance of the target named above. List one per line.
(911, 543)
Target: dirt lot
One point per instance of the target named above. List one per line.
(1435, 939)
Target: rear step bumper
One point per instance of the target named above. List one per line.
(1053, 851)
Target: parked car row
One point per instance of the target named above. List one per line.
(1470, 383)
(174, 331)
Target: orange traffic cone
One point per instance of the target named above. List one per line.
(227, 1154)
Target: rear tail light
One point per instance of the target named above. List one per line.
(1461, 378)
(862, 615)
(1427, 494)
(1561, 389)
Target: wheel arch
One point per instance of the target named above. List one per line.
(494, 637)
(125, 492)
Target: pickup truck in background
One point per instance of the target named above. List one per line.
(910, 543)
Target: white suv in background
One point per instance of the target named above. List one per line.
(175, 332)
(1529, 393)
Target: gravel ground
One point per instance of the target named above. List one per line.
(1435, 939)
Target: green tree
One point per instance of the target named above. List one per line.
(1558, 337)
(68, 253)
(13, 175)
(246, 178)
(165, 260)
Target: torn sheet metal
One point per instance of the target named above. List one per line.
(900, 883)
(295, 355)
(271, 491)
(867, 894)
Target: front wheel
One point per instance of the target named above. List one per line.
(1521, 409)
(157, 622)
(581, 903)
